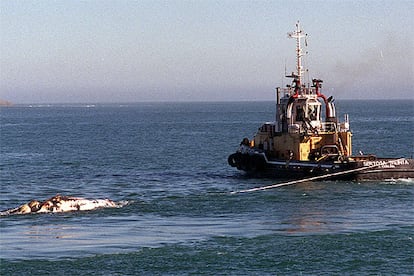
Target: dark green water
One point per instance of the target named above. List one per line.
(168, 162)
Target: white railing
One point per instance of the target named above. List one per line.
(328, 127)
(304, 91)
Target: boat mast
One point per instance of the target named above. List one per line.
(298, 34)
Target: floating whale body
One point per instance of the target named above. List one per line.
(60, 204)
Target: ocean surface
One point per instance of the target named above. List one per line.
(167, 164)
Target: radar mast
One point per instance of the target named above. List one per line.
(298, 34)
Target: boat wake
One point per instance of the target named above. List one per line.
(400, 180)
(60, 204)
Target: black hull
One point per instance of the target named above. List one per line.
(359, 169)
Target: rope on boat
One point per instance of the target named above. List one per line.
(313, 178)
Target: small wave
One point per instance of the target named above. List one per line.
(21, 155)
(400, 180)
(61, 204)
(38, 105)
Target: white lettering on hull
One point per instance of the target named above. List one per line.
(386, 164)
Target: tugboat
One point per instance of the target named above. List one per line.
(302, 142)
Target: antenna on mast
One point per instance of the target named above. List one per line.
(298, 34)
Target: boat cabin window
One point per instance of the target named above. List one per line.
(313, 112)
(300, 114)
(308, 112)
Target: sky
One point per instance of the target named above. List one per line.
(201, 50)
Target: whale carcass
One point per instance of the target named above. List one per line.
(59, 204)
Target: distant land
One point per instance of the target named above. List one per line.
(5, 103)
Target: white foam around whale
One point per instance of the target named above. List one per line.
(60, 204)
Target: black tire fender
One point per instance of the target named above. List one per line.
(234, 159)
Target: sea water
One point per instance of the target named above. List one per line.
(167, 162)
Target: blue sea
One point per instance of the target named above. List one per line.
(167, 162)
